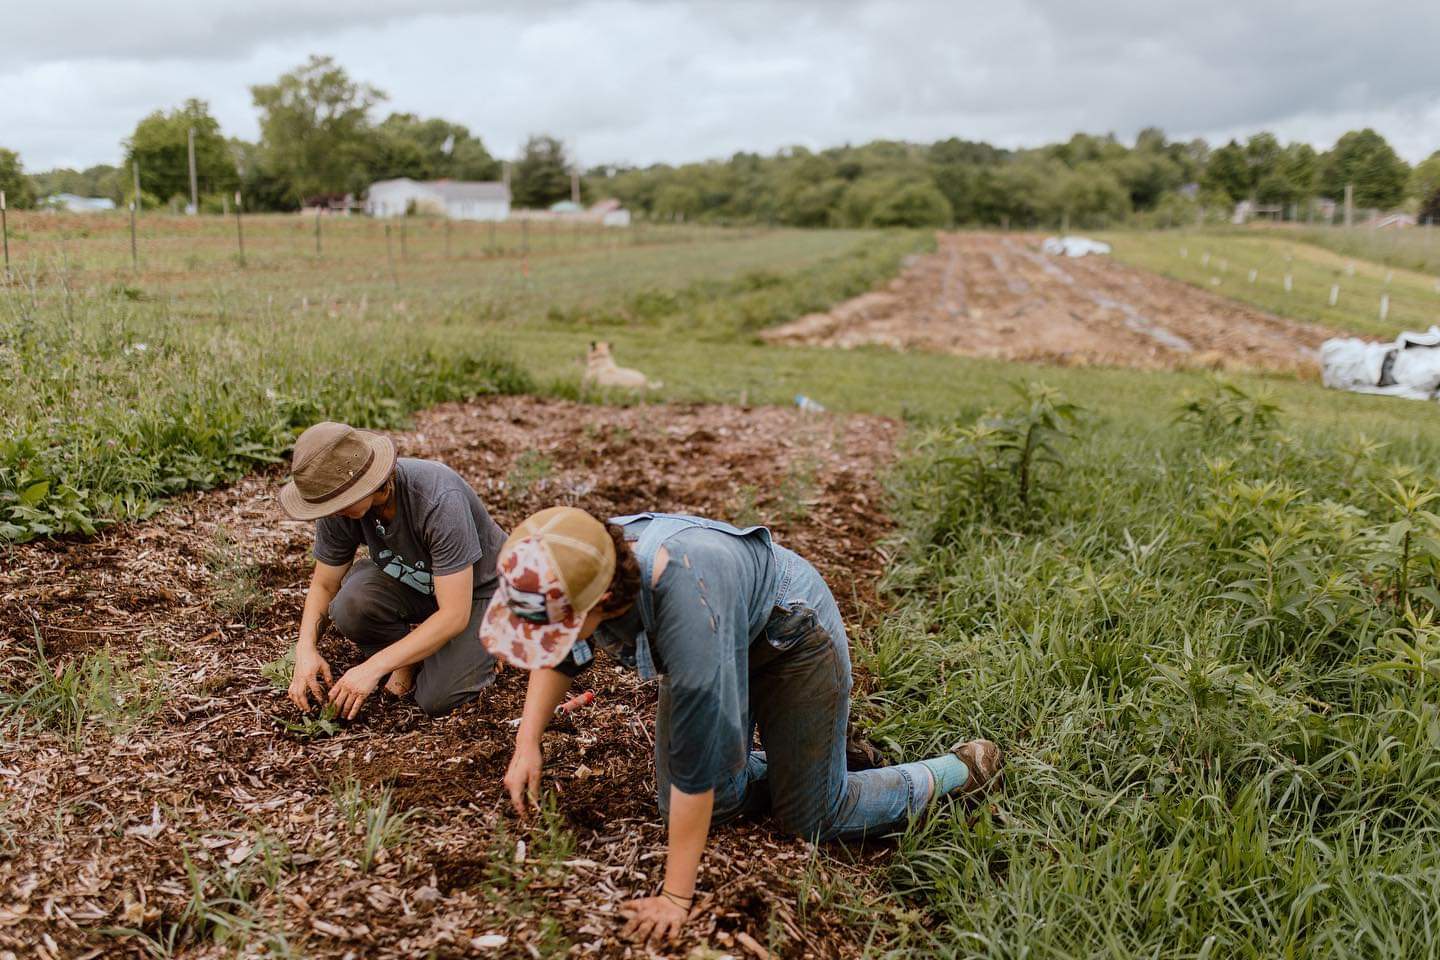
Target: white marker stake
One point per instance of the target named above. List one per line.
(1205, 259)
(1256, 273)
(1350, 269)
(1389, 275)
(1185, 255)
(1384, 307)
(1289, 283)
(1334, 294)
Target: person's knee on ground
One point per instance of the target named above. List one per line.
(438, 695)
(361, 617)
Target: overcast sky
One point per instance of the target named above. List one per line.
(639, 81)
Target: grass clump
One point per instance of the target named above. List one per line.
(1212, 668)
(235, 587)
(371, 820)
(80, 696)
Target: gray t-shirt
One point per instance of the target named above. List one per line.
(440, 527)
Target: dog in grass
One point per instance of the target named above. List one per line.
(602, 371)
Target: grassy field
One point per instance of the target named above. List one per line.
(1222, 261)
(1411, 249)
(128, 387)
(1200, 618)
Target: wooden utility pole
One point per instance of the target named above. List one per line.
(239, 230)
(134, 211)
(194, 187)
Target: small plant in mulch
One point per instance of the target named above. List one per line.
(235, 587)
(280, 671)
(311, 727)
(531, 468)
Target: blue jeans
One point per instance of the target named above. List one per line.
(799, 700)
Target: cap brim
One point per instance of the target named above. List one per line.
(520, 643)
(298, 508)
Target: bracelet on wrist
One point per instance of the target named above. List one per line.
(676, 899)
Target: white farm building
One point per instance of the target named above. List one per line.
(456, 199)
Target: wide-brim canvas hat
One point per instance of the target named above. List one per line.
(552, 571)
(334, 467)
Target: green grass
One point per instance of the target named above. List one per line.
(128, 389)
(1232, 254)
(1416, 249)
(1222, 723)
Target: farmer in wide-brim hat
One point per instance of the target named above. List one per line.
(744, 634)
(417, 599)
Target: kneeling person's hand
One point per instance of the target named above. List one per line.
(352, 689)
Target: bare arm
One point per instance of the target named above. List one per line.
(453, 599)
(544, 693)
(309, 665)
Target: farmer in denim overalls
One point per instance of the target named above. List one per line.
(743, 634)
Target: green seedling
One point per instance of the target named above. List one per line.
(315, 728)
(280, 671)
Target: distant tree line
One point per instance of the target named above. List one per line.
(318, 138)
(1087, 181)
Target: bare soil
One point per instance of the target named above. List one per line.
(100, 836)
(999, 295)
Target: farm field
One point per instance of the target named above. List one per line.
(1199, 620)
(1221, 261)
(994, 295)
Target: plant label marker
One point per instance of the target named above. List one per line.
(1334, 294)
(1253, 275)
(1350, 269)
(1289, 283)
(1384, 307)
(1184, 253)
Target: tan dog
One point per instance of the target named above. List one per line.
(602, 371)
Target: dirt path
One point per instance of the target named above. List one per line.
(998, 295)
(98, 836)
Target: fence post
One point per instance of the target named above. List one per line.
(390, 257)
(134, 211)
(239, 230)
(5, 232)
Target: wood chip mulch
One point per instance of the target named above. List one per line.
(106, 836)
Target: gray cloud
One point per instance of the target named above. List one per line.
(647, 80)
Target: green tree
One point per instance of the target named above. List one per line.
(160, 144)
(1429, 212)
(101, 180)
(19, 192)
(1425, 178)
(542, 175)
(1263, 157)
(1365, 159)
(1228, 172)
(429, 149)
(912, 205)
(315, 132)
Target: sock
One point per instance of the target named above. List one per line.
(949, 771)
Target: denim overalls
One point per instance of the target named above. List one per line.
(745, 635)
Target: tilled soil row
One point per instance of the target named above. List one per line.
(994, 295)
(209, 797)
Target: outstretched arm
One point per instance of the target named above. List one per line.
(659, 918)
(547, 688)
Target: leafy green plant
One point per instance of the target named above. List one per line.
(997, 467)
(1229, 413)
(280, 671)
(313, 726)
